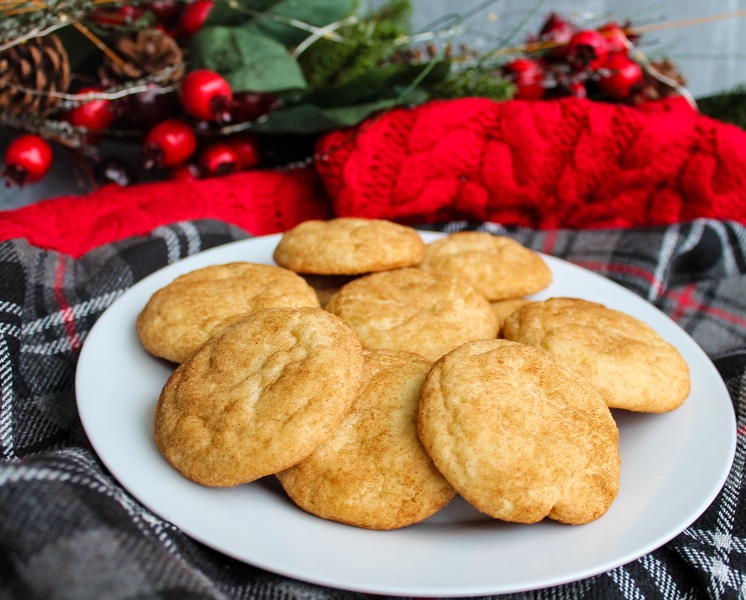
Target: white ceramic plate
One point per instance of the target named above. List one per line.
(673, 465)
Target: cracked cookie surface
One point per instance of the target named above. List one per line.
(520, 435)
(414, 310)
(182, 315)
(373, 472)
(497, 266)
(633, 367)
(259, 396)
(349, 246)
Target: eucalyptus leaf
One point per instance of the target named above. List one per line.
(237, 12)
(284, 20)
(383, 82)
(313, 119)
(248, 60)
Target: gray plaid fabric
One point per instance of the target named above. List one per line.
(68, 530)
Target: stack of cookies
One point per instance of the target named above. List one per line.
(377, 376)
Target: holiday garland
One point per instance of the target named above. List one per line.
(209, 87)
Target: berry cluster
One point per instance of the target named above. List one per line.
(202, 127)
(206, 100)
(181, 131)
(573, 61)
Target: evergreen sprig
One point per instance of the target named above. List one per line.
(729, 107)
(365, 44)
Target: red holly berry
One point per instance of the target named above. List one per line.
(123, 16)
(587, 49)
(186, 172)
(95, 115)
(250, 106)
(618, 76)
(206, 95)
(246, 147)
(168, 144)
(527, 76)
(616, 39)
(166, 12)
(557, 32)
(193, 16)
(218, 159)
(148, 108)
(577, 89)
(28, 158)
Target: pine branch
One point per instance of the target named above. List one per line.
(729, 107)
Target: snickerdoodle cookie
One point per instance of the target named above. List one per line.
(326, 286)
(628, 361)
(373, 472)
(259, 396)
(414, 310)
(519, 434)
(497, 266)
(349, 246)
(180, 316)
(504, 308)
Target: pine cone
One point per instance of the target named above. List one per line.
(30, 73)
(654, 87)
(144, 53)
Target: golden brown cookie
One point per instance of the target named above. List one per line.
(180, 316)
(519, 434)
(498, 267)
(414, 310)
(504, 308)
(349, 246)
(627, 360)
(326, 286)
(373, 472)
(259, 396)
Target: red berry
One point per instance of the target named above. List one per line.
(28, 158)
(577, 89)
(117, 17)
(618, 76)
(218, 159)
(168, 144)
(193, 16)
(587, 49)
(148, 108)
(185, 172)
(616, 40)
(95, 115)
(166, 12)
(527, 76)
(246, 147)
(249, 106)
(206, 95)
(557, 32)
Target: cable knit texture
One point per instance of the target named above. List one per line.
(568, 163)
(260, 202)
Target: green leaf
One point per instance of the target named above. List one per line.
(383, 82)
(237, 12)
(248, 61)
(278, 22)
(348, 104)
(312, 119)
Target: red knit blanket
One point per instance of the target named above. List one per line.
(567, 163)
